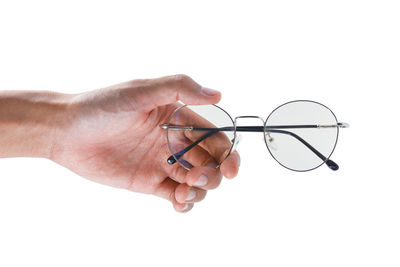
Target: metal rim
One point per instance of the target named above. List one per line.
(310, 101)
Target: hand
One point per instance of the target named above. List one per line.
(112, 136)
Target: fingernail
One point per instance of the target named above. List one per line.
(208, 91)
(202, 181)
(191, 195)
(186, 207)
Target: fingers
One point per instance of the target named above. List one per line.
(167, 90)
(204, 177)
(218, 144)
(230, 166)
(188, 194)
(196, 182)
(196, 156)
(167, 190)
(182, 196)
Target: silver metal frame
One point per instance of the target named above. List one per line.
(167, 127)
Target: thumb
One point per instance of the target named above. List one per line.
(170, 89)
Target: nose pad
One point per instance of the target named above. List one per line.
(237, 140)
(270, 142)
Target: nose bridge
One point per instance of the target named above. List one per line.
(249, 117)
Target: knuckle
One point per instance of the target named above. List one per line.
(183, 81)
(181, 78)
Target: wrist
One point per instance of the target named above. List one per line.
(30, 122)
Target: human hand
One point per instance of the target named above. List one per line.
(112, 136)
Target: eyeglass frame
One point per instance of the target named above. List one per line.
(325, 160)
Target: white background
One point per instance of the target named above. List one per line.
(260, 54)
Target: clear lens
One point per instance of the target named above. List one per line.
(209, 126)
(284, 142)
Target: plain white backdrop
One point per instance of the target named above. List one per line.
(259, 54)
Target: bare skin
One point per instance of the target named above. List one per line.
(112, 136)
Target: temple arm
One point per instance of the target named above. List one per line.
(273, 129)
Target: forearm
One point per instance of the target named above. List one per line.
(29, 122)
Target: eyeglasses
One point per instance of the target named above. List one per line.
(301, 135)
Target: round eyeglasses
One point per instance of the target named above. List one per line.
(301, 135)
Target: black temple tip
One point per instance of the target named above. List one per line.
(332, 165)
(171, 160)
